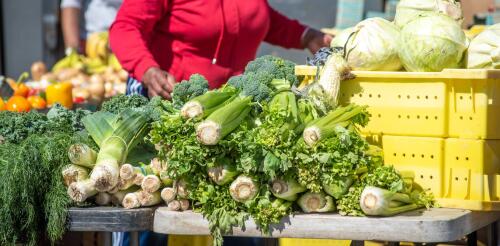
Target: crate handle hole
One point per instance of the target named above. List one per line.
(470, 118)
(426, 117)
(418, 97)
(408, 96)
(432, 156)
(435, 117)
(431, 177)
(461, 97)
(465, 179)
(418, 116)
(413, 155)
(466, 158)
(421, 176)
(456, 178)
(379, 96)
(408, 117)
(404, 155)
(394, 154)
(360, 95)
(379, 115)
(436, 97)
(399, 116)
(426, 97)
(399, 96)
(369, 95)
(461, 117)
(422, 156)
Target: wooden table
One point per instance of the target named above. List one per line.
(112, 219)
(423, 226)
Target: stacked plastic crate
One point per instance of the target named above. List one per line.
(443, 126)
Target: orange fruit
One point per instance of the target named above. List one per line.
(18, 104)
(37, 102)
(2, 104)
(21, 90)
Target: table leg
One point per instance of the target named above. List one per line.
(357, 243)
(134, 238)
(472, 239)
(107, 238)
(493, 234)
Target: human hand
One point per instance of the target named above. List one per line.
(314, 40)
(158, 83)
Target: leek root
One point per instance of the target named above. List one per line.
(73, 173)
(81, 190)
(82, 155)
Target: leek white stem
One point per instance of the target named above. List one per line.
(184, 204)
(149, 199)
(174, 205)
(125, 184)
(73, 173)
(81, 190)
(103, 199)
(158, 166)
(82, 154)
(117, 198)
(168, 194)
(131, 200)
(114, 190)
(138, 179)
(151, 183)
(182, 189)
(311, 135)
(128, 171)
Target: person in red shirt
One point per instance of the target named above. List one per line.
(161, 42)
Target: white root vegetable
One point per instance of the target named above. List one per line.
(174, 205)
(82, 155)
(117, 198)
(103, 199)
(81, 190)
(151, 183)
(149, 199)
(124, 184)
(168, 194)
(131, 200)
(138, 179)
(73, 173)
(184, 204)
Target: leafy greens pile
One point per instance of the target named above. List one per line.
(256, 146)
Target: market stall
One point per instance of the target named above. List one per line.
(390, 134)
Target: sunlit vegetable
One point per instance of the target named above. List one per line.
(371, 45)
(484, 49)
(431, 43)
(407, 10)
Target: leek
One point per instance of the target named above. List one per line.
(182, 189)
(168, 194)
(116, 136)
(82, 155)
(147, 199)
(124, 184)
(174, 205)
(151, 183)
(73, 173)
(131, 200)
(127, 171)
(117, 198)
(81, 190)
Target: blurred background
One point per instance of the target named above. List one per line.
(30, 29)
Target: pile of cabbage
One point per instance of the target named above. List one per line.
(425, 36)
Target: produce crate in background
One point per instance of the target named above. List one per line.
(461, 103)
(461, 173)
(443, 126)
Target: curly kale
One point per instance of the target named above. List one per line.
(189, 89)
(62, 118)
(15, 127)
(119, 103)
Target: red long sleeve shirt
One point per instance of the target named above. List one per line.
(187, 36)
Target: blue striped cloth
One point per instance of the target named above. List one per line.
(135, 87)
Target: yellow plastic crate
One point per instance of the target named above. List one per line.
(462, 103)
(462, 173)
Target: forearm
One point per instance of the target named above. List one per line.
(70, 18)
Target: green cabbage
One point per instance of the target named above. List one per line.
(371, 45)
(431, 43)
(407, 10)
(484, 50)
